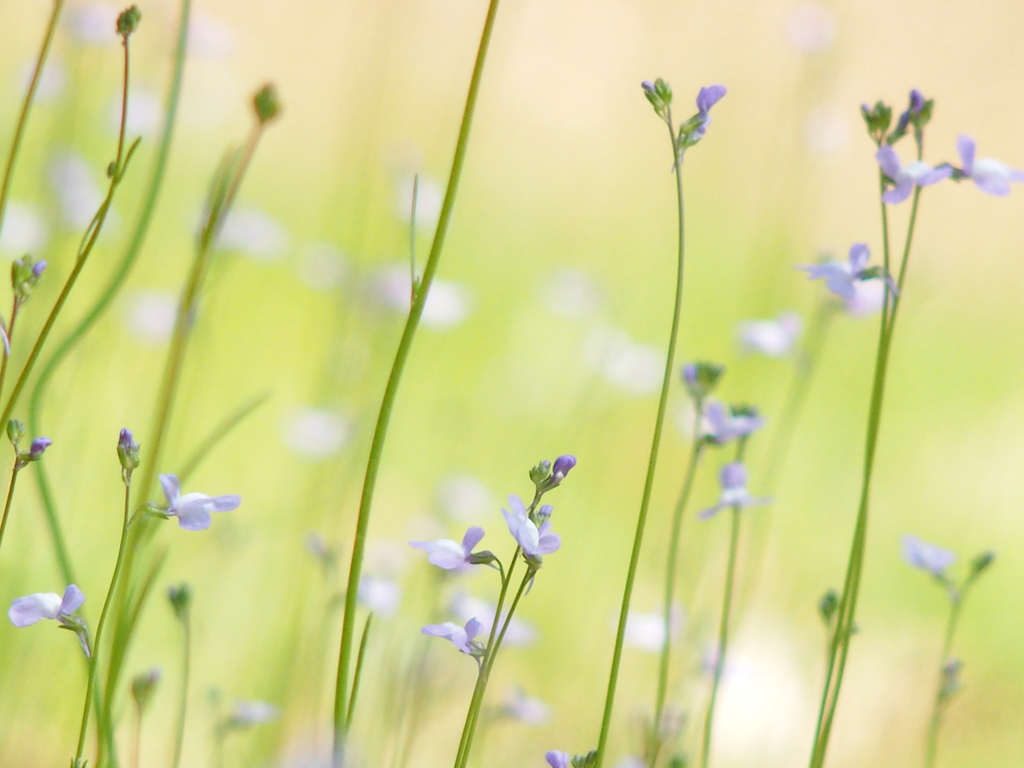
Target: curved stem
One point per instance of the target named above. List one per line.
(10, 495)
(645, 501)
(26, 107)
(391, 391)
(671, 567)
(932, 741)
(112, 288)
(96, 646)
(179, 733)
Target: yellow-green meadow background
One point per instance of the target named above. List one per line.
(560, 257)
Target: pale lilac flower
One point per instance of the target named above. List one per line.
(248, 713)
(316, 433)
(906, 176)
(534, 541)
(558, 759)
(646, 631)
(26, 611)
(990, 176)
(380, 595)
(734, 491)
(773, 338)
(520, 632)
(635, 367)
(708, 96)
(526, 709)
(460, 637)
(449, 554)
(868, 299)
(724, 426)
(841, 277)
(193, 509)
(927, 557)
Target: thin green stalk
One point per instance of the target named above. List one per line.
(179, 731)
(9, 332)
(391, 391)
(846, 613)
(26, 107)
(671, 567)
(137, 753)
(481, 680)
(120, 166)
(641, 521)
(357, 674)
(10, 495)
(217, 434)
(112, 288)
(96, 646)
(476, 706)
(932, 742)
(723, 626)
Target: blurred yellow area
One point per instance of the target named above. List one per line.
(545, 336)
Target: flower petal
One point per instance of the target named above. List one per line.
(72, 600)
(226, 502)
(195, 515)
(26, 611)
(888, 161)
(709, 96)
(965, 147)
(171, 488)
(472, 538)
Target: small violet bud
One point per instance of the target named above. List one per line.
(557, 759)
(659, 94)
(562, 466)
(36, 449)
(37, 270)
(127, 453)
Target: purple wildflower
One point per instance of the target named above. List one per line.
(449, 554)
(927, 557)
(460, 637)
(558, 759)
(26, 611)
(724, 426)
(841, 277)
(734, 491)
(990, 176)
(193, 509)
(773, 338)
(534, 541)
(905, 177)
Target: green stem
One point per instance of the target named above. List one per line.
(634, 560)
(846, 613)
(26, 107)
(671, 567)
(481, 679)
(357, 674)
(723, 626)
(476, 705)
(391, 391)
(179, 734)
(10, 496)
(96, 645)
(9, 331)
(112, 288)
(932, 742)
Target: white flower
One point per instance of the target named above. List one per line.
(774, 338)
(254, 234)
(316, 433)
(151, 315)
(93, 23)
(77, 192)
(23, 229)
(193, 509)
(249, 713)
(380, 595)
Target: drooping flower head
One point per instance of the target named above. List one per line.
(693, 130)
(449, 554)
(927, 557)
(193, 509)
(990, 176)
(460, 637)
(734, 491)
(26, 611)
(841, 277)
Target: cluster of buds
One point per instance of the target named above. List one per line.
(659, 94)
(546, 476)
(25, 273)
(127, 454)
(16, 433)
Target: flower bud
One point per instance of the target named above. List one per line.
(562, 466)
(38, 448)
(659, 94)
(981, 563)
(181, 600)
(827, 605)
(143, 687)
(128, 21)
(266, 104)
(701, 378)
(540, 473)
(15, 431)
(127, 450)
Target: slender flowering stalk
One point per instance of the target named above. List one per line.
(846, 611)
(130, 449)
(116, 171)
(671, 565)
(113, 287)
(660, 96)
(26, 107)
(15, 431)
(181, 603)
(341, 717)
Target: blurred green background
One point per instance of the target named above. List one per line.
(561, 254)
